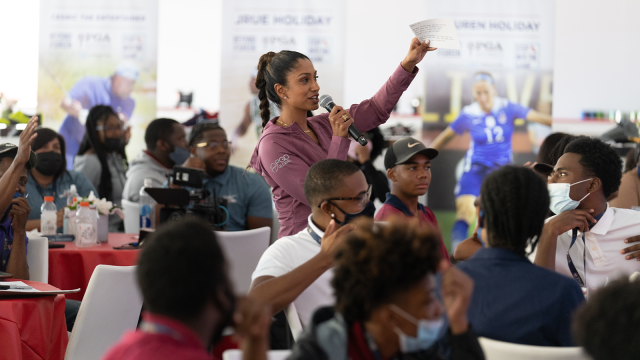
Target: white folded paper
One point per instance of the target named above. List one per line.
(441, 32)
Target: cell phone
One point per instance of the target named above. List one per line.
(53, 245)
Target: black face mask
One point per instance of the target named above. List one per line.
(112, 144)
(49, 163)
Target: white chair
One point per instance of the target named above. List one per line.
(38, 259)
(499, 350)
(295, 325)
(242, 250)
(131, 217)
(111, 306)
(236, 354)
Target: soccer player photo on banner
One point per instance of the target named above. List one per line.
(92, 53)
(487, 104)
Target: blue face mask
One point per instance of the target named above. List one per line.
(179, 155)
(427, 334)
(559, 199)
(368, 211)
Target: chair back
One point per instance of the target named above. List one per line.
(242, 250)
(293, 319)
(131, 216)
(38, 259)
(111, 306)
(499, 350)
(236, 354)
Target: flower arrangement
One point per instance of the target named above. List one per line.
(103, 206)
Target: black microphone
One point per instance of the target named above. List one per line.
(327, 102)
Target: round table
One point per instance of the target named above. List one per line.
(33, 327)
(71, 267)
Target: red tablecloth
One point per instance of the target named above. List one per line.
(33, 327)
(71, 267)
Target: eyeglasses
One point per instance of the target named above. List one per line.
(362, 199)
(214, 144)
(109, 128)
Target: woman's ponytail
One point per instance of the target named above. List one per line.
(261, 85)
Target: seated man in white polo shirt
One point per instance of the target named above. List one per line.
(297, 268)
(582, 180)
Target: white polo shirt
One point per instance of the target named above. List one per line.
(290, 252)
(604, 242)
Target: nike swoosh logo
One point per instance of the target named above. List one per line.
(412, 145)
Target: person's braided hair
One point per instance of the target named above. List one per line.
(273, 68)
(515, 202)
(377, 262)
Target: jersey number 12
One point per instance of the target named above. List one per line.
(495, 134)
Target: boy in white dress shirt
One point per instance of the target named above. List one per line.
(586, 230)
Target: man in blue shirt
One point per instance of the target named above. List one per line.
(14, 164)
(248, 195)
(490, 122)
(514, 300)
(90, 91)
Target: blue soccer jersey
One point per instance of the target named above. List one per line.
(490, 133)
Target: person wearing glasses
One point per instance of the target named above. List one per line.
(248, 195)
(101, 157)
(298, 268)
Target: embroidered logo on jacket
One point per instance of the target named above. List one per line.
(278, 164)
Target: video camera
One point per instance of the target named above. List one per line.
(196, 201)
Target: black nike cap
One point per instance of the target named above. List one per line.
(402, 150)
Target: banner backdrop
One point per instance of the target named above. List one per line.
(83, 44)
(514, 42)
(253, 27)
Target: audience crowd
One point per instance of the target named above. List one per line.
(550, 263)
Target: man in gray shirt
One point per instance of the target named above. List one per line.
(166, 146)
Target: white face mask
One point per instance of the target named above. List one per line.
(428, 332)
(560, 199)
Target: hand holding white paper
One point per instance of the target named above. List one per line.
(441, 32)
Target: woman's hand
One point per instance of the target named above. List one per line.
(340, 121)
(417, 51)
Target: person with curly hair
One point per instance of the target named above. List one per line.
(607, 325)
(292, 142)
(514, 300)
(585, 239)
(386, 304)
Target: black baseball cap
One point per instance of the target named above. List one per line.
(544, 169)
(402, 150)
(11, 150)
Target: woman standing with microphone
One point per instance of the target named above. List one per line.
(291, 143)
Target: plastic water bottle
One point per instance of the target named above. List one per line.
(48, 217)
(86, 234)
(70, 217)
(147, 207)
(72, 193)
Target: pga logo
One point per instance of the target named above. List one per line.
(278, 164)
